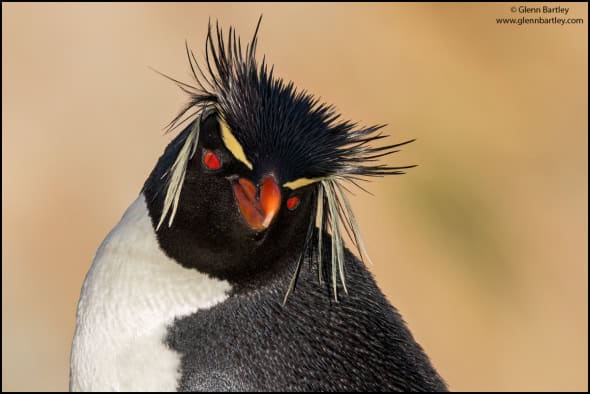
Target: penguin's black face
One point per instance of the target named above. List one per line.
(234, 220)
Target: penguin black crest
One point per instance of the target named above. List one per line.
(274, 125)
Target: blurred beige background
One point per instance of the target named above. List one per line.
(483, 247)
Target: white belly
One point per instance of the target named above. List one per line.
(132, 292)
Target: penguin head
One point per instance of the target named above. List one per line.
(239, 192)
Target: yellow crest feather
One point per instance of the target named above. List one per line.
(232, 144)
(296, 184)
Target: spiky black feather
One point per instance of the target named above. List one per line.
(278, 125)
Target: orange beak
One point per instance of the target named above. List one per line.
(258, 211)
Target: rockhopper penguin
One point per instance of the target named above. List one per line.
(229, 271)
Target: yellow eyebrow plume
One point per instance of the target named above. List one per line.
(296, 184)
(232, 144)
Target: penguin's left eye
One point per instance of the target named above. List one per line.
(292, 203)
(211, 160)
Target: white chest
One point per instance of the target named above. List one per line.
(132, 292)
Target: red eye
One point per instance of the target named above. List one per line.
(211, 161)
(292, 203)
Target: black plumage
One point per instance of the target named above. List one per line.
(313, 343)
(255, 340)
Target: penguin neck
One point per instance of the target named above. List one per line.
(270, 275)
(271, 265)
(244, 262)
